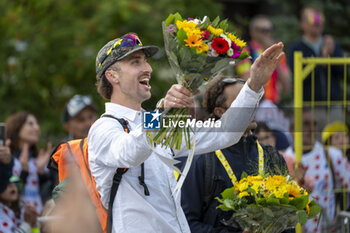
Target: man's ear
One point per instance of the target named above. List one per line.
(112, 76)
(219, 111)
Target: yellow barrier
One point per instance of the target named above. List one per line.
(302, 68)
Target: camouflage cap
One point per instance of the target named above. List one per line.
(119, 48)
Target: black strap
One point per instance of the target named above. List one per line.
(118, 177)
(116, 181)
(209, 174)
(121, 121)
(142, 179)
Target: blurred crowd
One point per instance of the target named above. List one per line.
(32, 200)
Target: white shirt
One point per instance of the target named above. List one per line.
(111, 148)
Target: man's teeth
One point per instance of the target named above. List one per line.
(145, 81)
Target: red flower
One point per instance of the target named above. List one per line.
(220, 45)
(205, 35)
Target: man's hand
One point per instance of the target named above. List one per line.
(5, 154)
(328, 46)
(264, 66)
(178, 97)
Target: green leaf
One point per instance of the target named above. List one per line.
(169, 20)
(284, 201)
(244, 175)
(272, 201)
(181, 36)
(268, 212)
(300, 202)
(244, 55)
(261, 201)
(314, 209)
(228, 193)
(223, 25)
(215, 22)
(206, 23)
(252, 191)
(177, 17)
(302, 216)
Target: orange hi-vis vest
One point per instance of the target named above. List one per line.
(72, 158)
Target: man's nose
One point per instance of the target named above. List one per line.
(147, 67)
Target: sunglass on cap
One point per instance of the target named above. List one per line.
(223, 83)
(232, 80)
(129, 40)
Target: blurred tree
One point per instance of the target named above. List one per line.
(48, 49)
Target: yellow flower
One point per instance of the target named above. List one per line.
(199, 50)
(215, 31)
(188, 27)
(205, 47)
(232, 37)
(243, 194)
(242, 185)
(294, 191)
(237, 41)
(308, 207)
(193, 40)
(280, 191)
(202, 49)
(240, 43)
(255, 179)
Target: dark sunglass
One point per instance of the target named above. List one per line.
(223, 83)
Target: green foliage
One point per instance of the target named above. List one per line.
(48, 50)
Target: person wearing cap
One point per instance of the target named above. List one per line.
(123, 77)
(336, 134)
(80, 112)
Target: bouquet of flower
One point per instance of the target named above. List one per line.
(267, 204)
(197, 51)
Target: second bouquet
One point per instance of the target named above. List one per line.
(197, 51)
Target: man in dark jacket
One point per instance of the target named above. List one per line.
(314, 44)
(207, 177)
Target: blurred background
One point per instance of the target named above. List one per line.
(48, 47)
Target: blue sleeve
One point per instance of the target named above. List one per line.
(192, 200)
(192, 196)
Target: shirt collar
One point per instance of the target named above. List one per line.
(121, 111)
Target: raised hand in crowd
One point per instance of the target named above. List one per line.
(264, 65)
(328, 46)
(43, 158)
(5, 152)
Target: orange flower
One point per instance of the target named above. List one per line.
(193, 40)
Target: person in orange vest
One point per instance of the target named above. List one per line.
(260, 31)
